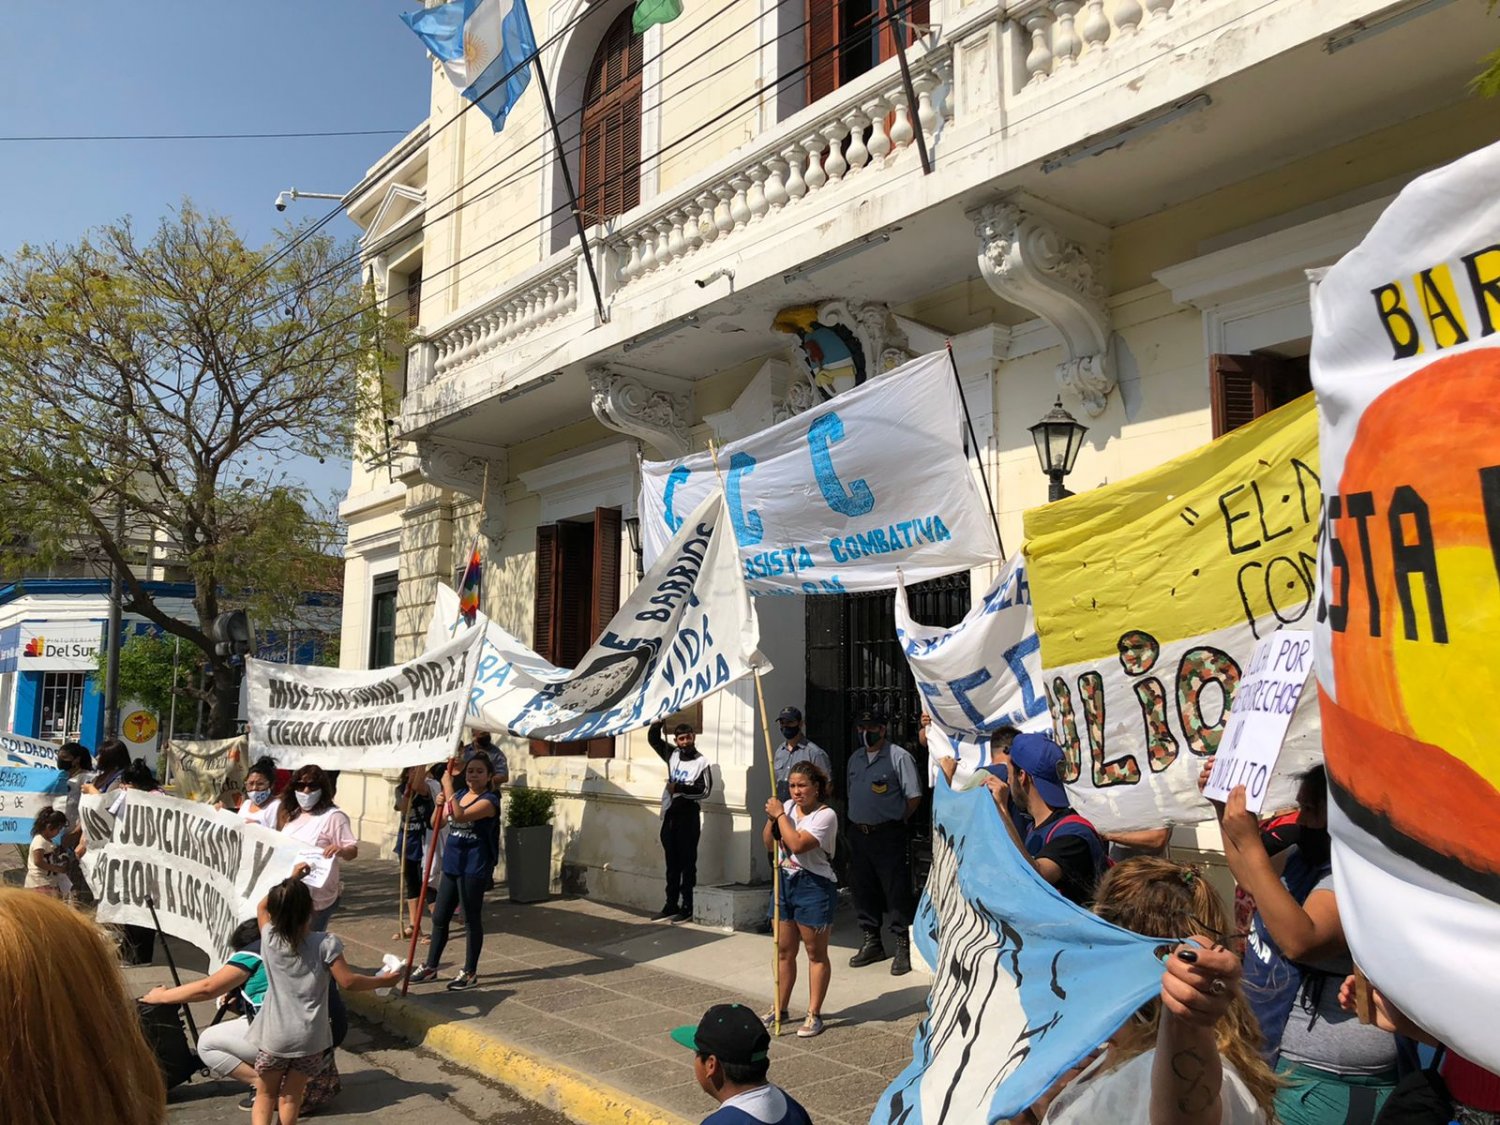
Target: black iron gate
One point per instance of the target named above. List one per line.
(854, 661)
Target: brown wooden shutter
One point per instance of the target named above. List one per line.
(609, 163)
(606, 591)
(822, 48)
(544, 619)
(1243, 387)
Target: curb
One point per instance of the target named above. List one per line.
(569, 1092)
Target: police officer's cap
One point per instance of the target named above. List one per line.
(871, 716)
(789, 715)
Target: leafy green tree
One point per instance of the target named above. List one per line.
(146, 674)
(152, 389)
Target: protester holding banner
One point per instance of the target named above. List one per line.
(314, 819)
(110, 764)
(71, 1047)
(1335, 1069)
(1188, 1057)
(261, 805)
(808, 832)
(690, 780)
(469, 857)
(417, 798)
(1062, 846)
(74, 760)
(43, 866)
(883, 792)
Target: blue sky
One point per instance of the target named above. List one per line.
(221, 66)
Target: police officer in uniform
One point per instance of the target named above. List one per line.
(796, 747)
(883, 790)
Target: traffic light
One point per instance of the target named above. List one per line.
(231, 633)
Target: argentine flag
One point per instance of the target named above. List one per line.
(479, 42)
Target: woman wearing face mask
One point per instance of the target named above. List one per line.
(319, 824)
(261, 805)
(1334, 1068)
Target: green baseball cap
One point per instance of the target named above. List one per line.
(732, 1033)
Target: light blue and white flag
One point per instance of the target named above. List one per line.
(480, 43)
(1025, 983)
(18, 750)
(23, 794)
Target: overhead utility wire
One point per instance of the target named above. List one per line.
(546, 216)
(527, 169)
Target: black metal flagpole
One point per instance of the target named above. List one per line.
(562, 164)
(984, 475)
(899, 30)
(187, 1012)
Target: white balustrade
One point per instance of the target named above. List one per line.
(502, 320)
(857, 137)
(1059, 34)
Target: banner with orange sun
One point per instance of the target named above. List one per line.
(1406, 365)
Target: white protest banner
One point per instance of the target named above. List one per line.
(1025, 983)
(986, 671)
(17, 750)
(347, 719)
(1150, 595)
(24, 792)
(204, 869)
(841, 496)
(685, 631)
(1264, 703)
(204, 770)
(1406, 364)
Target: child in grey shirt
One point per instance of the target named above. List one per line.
(291, 1032)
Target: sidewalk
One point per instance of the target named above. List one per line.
(576, 998)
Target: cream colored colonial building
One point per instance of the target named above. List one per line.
(1111, 200)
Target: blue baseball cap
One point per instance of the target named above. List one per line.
(1041, 758)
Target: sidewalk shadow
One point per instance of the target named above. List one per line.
(888, 1008)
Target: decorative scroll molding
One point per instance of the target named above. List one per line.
(463, 472)
(1029, 263)
(624, 403)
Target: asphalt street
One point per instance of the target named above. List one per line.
(384, 1080)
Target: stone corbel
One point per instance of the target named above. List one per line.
(624, 403)
(464, 472)
(1029, 263)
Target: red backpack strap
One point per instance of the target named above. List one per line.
(1071, 818)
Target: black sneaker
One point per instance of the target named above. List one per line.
(682, 916)
(248, 1101)
(666, 913)
(463, 982)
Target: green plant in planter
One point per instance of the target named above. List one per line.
(528, 808)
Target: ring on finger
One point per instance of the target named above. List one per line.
(1218, 987)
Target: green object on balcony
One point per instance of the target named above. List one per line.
(649, 12)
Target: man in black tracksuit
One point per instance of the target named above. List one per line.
(690, 780)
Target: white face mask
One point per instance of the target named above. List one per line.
(309, 798)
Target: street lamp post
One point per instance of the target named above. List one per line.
(1058, 437)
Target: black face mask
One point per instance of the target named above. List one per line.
(870, 738)
(688, 751)
(790, 733)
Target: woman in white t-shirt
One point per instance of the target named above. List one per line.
(308, 814)
(808, 831)
(1192, 1055)
(261, 805)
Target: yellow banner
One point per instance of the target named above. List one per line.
(1150, 595)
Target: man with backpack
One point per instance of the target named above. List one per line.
(1064, 848)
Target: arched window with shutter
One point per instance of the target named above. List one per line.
(846, 38)
(609, 149)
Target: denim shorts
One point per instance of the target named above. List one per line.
(808, 900)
